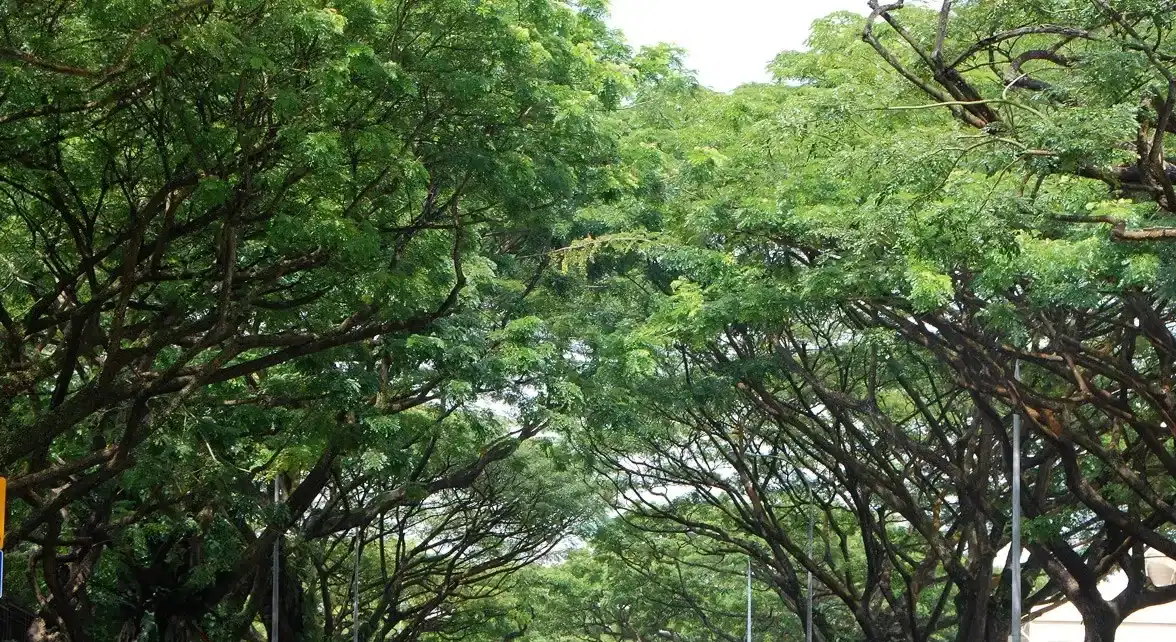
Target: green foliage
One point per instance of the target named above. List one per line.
(277, 241)
(459, 277)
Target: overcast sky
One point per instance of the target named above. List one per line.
(729, 42)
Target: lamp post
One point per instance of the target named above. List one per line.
(355, 588)
(275, 603)
(748, 598)
(808, 620)
(1015, 545)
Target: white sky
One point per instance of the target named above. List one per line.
(729, 42)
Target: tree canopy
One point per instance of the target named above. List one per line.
(470, 322)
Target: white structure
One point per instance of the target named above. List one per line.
(1063, 623)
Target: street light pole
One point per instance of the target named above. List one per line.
(1015, 545)
(275, 604)
(808, 621)
(748, 598)
(355, 588)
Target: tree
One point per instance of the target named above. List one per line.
(431, 567)
(241, 240)
(1106, 426)
(269, 244)
(841, 275)
(624, 584)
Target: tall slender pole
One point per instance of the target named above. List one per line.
(808, 620)
(808, 629)
(274, 609)
(355, 602)
(808, 624)
(749, 599)
(1015, 546)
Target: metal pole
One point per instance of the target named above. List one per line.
(274, 609)
(1015, 546)
(749, 598)
(355, 603)
(808, 626)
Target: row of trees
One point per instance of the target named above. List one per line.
(410, 292)
(837, 290)
(281, 244)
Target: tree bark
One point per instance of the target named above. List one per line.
(981, 618)
(1100, 624)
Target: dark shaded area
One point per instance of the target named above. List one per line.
(14, 622)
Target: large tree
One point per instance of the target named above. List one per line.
(835, 272)
(241, 240)
(1081, 89)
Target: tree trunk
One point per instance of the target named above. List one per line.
(176, 629)
(1100, 624)
(1100, 631)
(129, 631)
(976, 613)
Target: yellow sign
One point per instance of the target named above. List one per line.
(3, 508)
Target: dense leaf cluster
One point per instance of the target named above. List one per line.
(835, 291)
(268, 268)
(402, 297)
